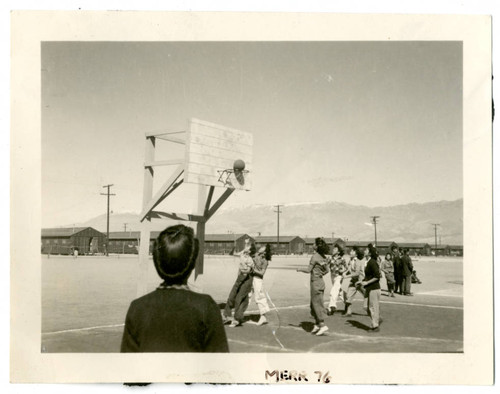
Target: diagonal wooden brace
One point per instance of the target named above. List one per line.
(210, 212)
(164, 191)
(178, 216)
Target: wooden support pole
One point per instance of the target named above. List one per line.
(142, 277)
(200, 230)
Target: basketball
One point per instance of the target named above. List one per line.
(239, 165)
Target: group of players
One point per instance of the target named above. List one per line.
(172, 318)
(360, 273)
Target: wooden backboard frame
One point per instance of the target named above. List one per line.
(178, 177)
(212, 148)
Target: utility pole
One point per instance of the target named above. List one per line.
(374, 220)
(125, 227)
(107, 217)
(435, 236)
(333, 238)
(278, 212)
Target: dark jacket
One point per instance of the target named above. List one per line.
(174, 320)
(372, 270)
(398, 269)
(406, 265)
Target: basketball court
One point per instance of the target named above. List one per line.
(78, 317)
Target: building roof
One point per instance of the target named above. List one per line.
(412, 245)
(274, 238)
(384, 244)
(441, 247)
(131, 235)
(310, 240)
(363, 243)
(154, 234)
(62, 231)
(225, 237)
(126, 234)
(456, 247)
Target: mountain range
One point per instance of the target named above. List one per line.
(400, 223)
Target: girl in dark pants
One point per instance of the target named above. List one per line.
(241, 291)
(318, 267)
(398, 276)
(371, 284)
(245, 268)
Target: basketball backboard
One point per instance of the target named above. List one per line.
(211, 152)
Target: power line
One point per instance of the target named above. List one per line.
(435, 235)
(374, 220)
(107, 216)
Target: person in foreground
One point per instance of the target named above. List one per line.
(318, 267)
(172, 318)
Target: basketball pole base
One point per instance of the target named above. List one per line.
(203, 202)
(142, 277)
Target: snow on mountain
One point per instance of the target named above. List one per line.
(400, 223)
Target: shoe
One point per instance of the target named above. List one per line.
(347, 315)
(392, 295)
(375, 329)
(315, 330)
(262, 321)
(322, 330)
(226, 320)
(409, 294)
(331, 311)
(235, 323)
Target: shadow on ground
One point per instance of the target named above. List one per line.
(357, 324)
(307, 326)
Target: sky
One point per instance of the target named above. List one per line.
(365, 123)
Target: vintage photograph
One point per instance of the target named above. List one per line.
(346, 145)
(265, 198)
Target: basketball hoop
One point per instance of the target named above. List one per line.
(226, 175)
(239, 174)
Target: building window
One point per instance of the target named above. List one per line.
(64, 241)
